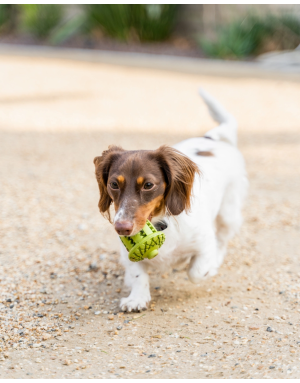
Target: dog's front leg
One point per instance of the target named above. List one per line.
(204, 263)
(137, 279)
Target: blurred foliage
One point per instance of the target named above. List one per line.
(114, 19)
(8, 14)
(148, 22)
(69, 28)
(41, 19)
(3, 14)
(152, 22)
(254, 35)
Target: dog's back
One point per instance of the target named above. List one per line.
(218, 194)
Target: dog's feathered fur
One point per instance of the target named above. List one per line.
(199, 197)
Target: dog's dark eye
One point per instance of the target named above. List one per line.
(114, 185)
(148, 185)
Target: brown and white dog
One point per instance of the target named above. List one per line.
(194, 191)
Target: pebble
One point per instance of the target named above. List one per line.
(93, 266)
(269, 329)
(253, 328)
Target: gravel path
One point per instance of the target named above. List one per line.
(60, 282)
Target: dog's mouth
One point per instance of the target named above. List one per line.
(160, 225)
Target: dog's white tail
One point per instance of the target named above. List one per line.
(227, 130)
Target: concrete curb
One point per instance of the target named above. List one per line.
(150, 61)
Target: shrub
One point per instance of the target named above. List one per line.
(41, 19)
(3, 14)
(252, 35)
(151, 22)
(69, 28)
(114, 19)
(8, 14)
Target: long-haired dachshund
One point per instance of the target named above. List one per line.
(194, 191)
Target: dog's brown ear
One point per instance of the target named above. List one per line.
(179, 172)
(102, 166)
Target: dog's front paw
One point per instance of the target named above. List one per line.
(199, 271)
(135, 303)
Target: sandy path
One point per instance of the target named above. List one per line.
(58, 257)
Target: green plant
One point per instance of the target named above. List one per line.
(7, 16)
(3, 14)
(41, 19)
(71, 27)
(151, 22)
(252, 35)
(114, 19)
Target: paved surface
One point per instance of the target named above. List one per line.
(60, 281)
(286, 60)
(272, 65)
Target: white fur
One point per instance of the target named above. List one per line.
(119, 215)
(200, 236)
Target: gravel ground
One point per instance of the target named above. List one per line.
(60, 282)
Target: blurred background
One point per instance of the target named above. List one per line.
(217, 31)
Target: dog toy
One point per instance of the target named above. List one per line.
(144, 244)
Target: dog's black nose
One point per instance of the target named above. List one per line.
(124, 227)
(160, 225)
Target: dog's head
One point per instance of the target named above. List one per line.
(143, 184)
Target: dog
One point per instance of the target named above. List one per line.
(193, 191)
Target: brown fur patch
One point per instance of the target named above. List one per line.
(179, 172)
(121, 179)
(205, 153)
(151, 208)
(102, 167)
(140, 181)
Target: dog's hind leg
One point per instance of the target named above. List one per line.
(229, 219)
(204, 263)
